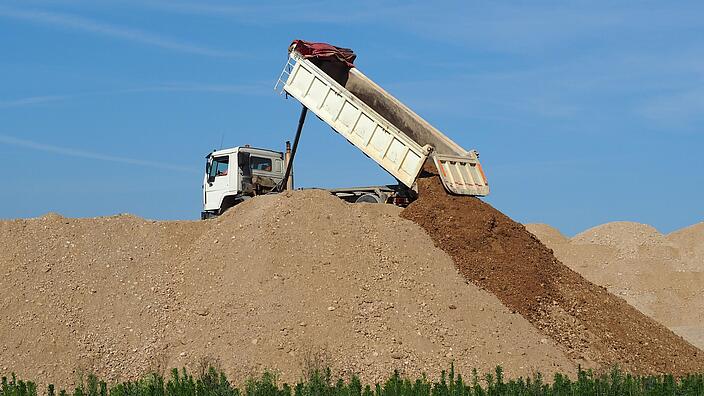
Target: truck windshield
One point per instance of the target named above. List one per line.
(219, 167)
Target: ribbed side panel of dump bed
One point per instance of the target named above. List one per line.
(382, 127)
(459, 169)
(357, 122)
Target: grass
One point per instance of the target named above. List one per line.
(212, 382)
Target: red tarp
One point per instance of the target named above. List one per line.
(323, 51)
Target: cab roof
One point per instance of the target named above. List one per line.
(249, 149)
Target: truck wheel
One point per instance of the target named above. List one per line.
(369, 198)
(208, 215)
(229, 202)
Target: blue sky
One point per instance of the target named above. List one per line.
(583, 112)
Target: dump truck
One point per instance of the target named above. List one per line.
(324, 80)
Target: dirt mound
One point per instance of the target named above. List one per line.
(662, 276)
(276, 278)
(547, 233)
(689, 238)
(620, 233)
(500, 255)
(87, 294)
(52, 216)
(690, 242)
(627, 237)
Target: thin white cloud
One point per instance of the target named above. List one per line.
(120, 32)
(261, 88)
(70, 152)
(679, 110)
(271, 13)
(32, 100)
(240, 89)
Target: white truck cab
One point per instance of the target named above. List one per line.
(235, 174)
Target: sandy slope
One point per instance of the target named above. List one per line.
(661, 275)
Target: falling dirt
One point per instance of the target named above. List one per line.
(501, 256)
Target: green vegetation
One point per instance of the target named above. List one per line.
(212, 382)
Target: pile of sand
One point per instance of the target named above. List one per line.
(493, 251)
(690, 244)
(273, 280)
(661, 275)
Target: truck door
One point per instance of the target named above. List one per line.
(218, 182)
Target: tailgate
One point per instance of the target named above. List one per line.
(462, 175)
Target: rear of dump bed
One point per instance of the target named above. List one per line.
(382, 127)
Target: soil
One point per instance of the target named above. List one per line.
(282, 282)
(303, 279)
(660, 275)
(501, 256)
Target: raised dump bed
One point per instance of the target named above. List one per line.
(377, 123)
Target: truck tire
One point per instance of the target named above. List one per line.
(208, 215)
(229, 202)
(369, 198)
